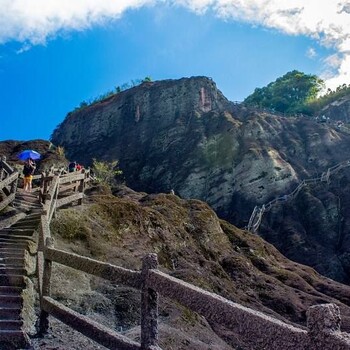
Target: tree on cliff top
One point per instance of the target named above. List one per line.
(289, 94)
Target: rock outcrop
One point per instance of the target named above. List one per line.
(338, 110)
(185, 135)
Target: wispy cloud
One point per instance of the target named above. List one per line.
(311, 53)
(327, 21)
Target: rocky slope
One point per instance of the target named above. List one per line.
(192, 244)
(338, 110)
(184, 134)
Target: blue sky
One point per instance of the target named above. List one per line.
(49, 67)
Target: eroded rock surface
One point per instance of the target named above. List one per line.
(185, 135)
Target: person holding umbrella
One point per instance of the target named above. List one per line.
(28, 171)
(29, 167)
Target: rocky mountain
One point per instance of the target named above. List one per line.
(185, 135)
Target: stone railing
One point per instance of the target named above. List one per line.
(53, 183)
(254, 329)
(8, 183)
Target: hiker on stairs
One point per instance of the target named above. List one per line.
(28, 171)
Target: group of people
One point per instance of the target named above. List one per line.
(29, 169)
(74, 166)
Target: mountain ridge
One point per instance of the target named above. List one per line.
(185, 135)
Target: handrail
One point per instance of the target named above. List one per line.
(94, 267)
(252, 327)
(258, 212)
(8, 178)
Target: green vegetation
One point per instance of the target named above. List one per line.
(290, 94)
(110, 93)
(70, 225)
(331, 96)
(60, 151)
(295, 92)
(106, 172)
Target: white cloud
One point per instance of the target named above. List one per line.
(326, 21)
(311, 53)
(36, 20)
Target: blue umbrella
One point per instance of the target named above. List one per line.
(29, 153)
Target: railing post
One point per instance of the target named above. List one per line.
(322, 320)
(44, 184)
(81, 187)
(14, 184)
(41, 192)
(149, 306)
(46, 289)
(2, 170)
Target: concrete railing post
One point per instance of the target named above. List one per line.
(2, 170)
(46, 289)
(14, 184)
(149, 306)
(322, 320)
(81, 187)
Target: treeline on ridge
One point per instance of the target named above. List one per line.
(295, 93)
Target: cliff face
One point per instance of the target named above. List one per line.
(338, 110)
(184, 134)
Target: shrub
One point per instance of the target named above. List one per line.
(106, 172)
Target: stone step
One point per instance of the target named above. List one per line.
(26, 224)
(10, 290)
(33, 194)
(18, 264)
(12, 280)
(14, 242)
(10, 237)
(13, 270)
(17, 235)
(32, 211)
(33, 216)
(10, 313)
(14, 339)
(19, 244)
(27, 229)
(12, 219)
(17, 231)
(23, 204)
(30, 195)
(29, 219)
(20, 201)
(13, 260)
(8, 300)
(27, 198)
(11, 324)
(11, 252)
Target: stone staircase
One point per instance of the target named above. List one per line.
(16, 244)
